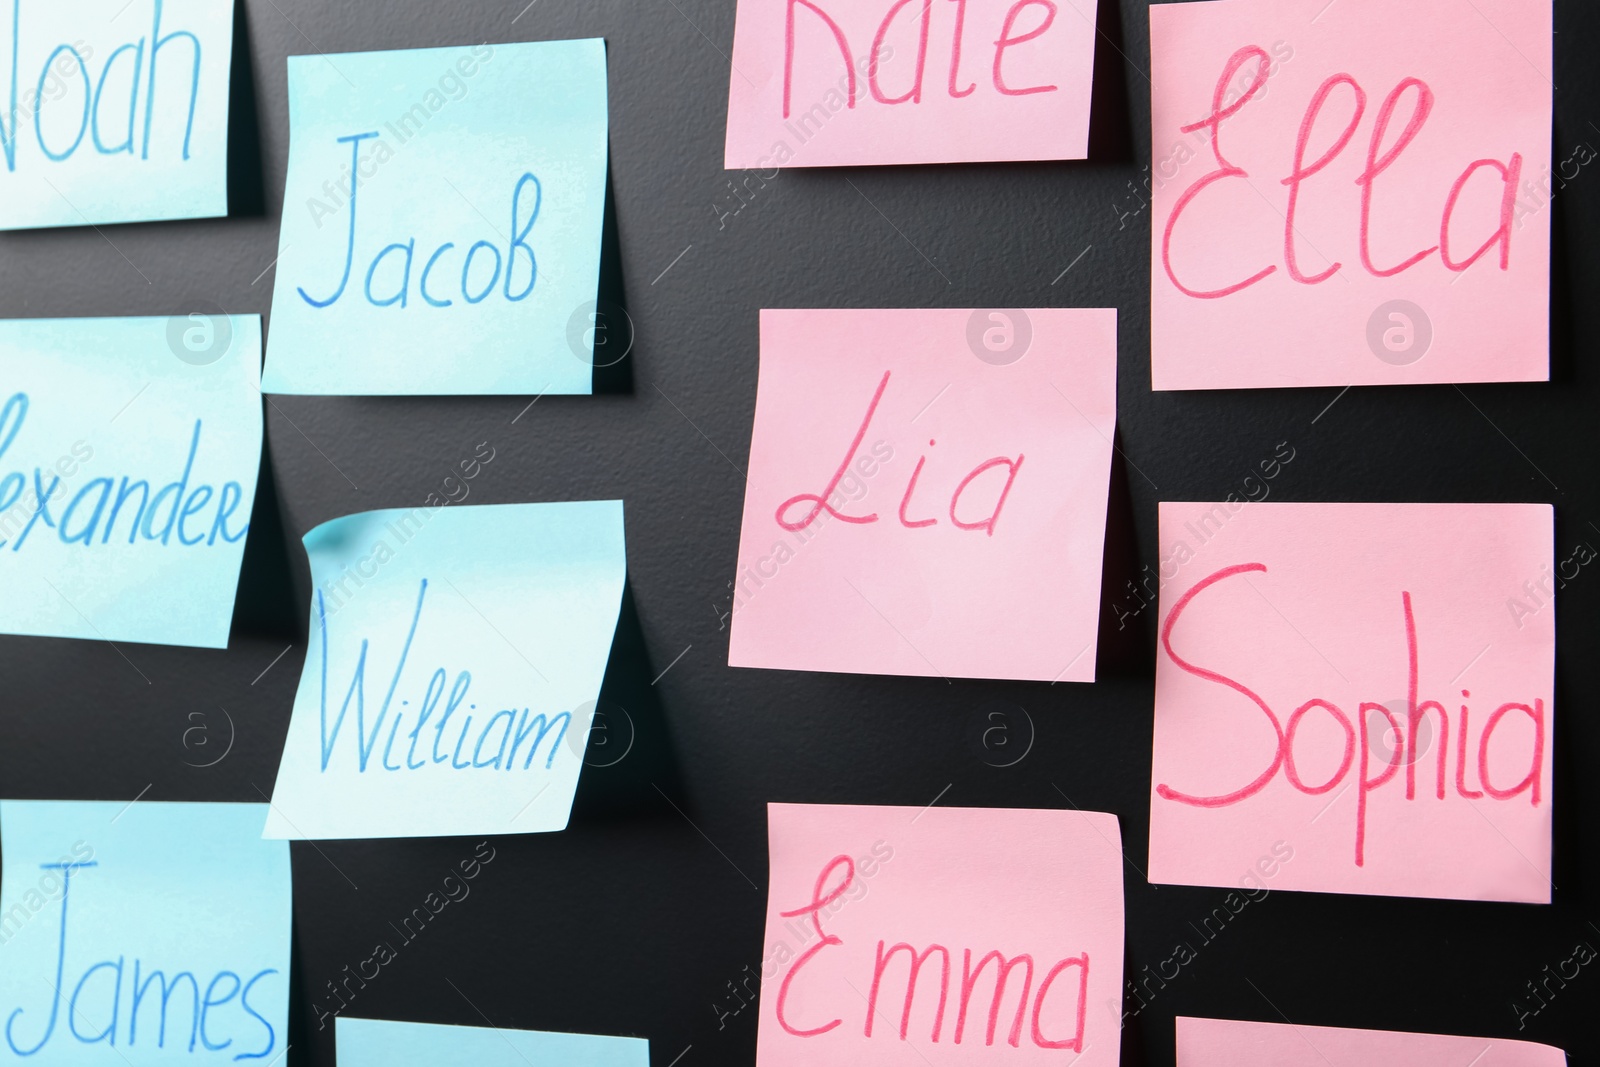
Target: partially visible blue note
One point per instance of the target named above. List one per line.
(378, 1043)
(142, 933)
(455, 659)
(441, 221)
(113, 111)
(129, 450)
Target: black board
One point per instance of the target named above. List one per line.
(637, 918)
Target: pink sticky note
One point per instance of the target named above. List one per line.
(1349, 193)
(925, 937)
(927, 493)
(952, 83)
(1225, 1043)
(1355, 698)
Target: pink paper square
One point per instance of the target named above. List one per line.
(1267, 607)
(1006, 413)
(1034, 895)
(1224, 1043)
(1222, 210)
(945, 89)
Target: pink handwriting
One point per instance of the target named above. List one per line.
(1357, 750)
(1412, 97)
(1011, 35)
(822, 897)
(823, 501)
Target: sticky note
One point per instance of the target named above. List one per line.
(1225, 1043)
(1355, 193)
(926, 493)
(379, 1043)
(829, 83)
(142, 933)
(441, 221)
(455, 658)
(129, 450)
(114, 111)
(925, 937)
(1355, 698)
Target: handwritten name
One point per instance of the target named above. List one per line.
(1407, 106)
(99, 992)
(66, 60)
(491, 750)
(1011, 35)
(177, 512)
(473, 287)
(1358, 750)
(823, 899)
(818, 504)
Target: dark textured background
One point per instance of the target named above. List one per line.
(634, 920)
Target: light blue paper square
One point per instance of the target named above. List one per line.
(106, 904)
(142, 438)
(379, 1043)
(113, 111)
(405, 169)
(455, 659)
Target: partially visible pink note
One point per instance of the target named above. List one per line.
(827, 83)
(1351, 193)
(939, 937)
(1356, 698)
(927, 493)
(1225, 1043)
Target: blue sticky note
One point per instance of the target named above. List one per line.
(142, 933)
(129, 450)
(441, 221)
(114, 111)
(379, 1043)
(455, 659)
